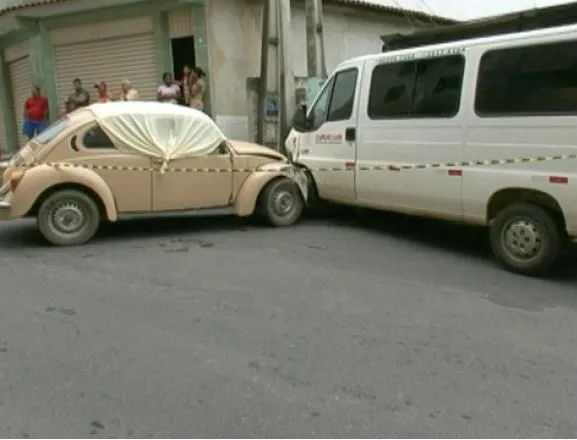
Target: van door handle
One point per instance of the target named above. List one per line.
(351, 134)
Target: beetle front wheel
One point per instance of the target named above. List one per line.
(281, 202)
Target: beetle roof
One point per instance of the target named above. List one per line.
(161, 130)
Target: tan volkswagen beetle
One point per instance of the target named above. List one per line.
(125, 159)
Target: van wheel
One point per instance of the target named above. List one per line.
(526, 239)
(281, 202)
(68, 218)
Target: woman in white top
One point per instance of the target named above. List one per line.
(168, 91)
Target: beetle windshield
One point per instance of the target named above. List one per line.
(52, 131)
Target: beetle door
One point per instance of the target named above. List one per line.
(132, 190)
(182, 190)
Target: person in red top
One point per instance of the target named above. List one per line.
(35, 114)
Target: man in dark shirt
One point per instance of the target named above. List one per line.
(80, 96)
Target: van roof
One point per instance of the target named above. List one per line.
(518, 36)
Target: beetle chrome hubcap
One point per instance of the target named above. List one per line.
(522, 239)
(68, 217)
(283, 202)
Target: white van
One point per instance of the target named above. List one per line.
(504, 97)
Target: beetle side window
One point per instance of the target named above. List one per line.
(97, 138)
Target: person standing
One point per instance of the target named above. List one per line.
(35, 114)
(184, 86)
(168, 91)
(80, 96)
(102, 91)
(128, 93)
(197, 88)
(69, 107)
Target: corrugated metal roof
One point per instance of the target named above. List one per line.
(417, 8)
(409, 8)
(27, 5)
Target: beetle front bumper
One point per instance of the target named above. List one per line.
(5, 210)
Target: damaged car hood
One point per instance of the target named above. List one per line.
(249, 148)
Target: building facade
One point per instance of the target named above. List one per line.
(51, 43)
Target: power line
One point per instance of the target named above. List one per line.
(432, 12)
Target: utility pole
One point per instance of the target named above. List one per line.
(269, 98)
(277, 82)
(277, 97)
(316, 66)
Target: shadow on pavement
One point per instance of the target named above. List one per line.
(24, 234)
(470, 242)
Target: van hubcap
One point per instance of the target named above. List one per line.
(522, 239)
(68, 217)
(283, 202)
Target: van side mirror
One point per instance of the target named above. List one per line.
(300, 121)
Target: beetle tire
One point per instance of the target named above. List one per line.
(281, 203)
(68, 218)
(532, 225)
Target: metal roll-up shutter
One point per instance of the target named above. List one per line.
(110, 60)
(20, 75)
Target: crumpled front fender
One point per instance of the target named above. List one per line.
(297, 174)
(249, 192)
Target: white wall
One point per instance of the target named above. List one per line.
(234, 38)
(347, 34)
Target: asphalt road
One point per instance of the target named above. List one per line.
(355, 326)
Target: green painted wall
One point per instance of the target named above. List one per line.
(162, 42)
(43, 69)
(129, 10)
(7, 107)
(42, 58)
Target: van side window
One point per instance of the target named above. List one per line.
(97, 138)
(343, 98)
(428, 88)
(530, 80)
(391, 90)
(318, 113)
(438, 87)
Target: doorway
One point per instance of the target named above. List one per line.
(182, 54)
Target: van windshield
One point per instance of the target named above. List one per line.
(52, 131)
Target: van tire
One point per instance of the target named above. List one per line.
(68, 218)
(281, 203)
(526, 239)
